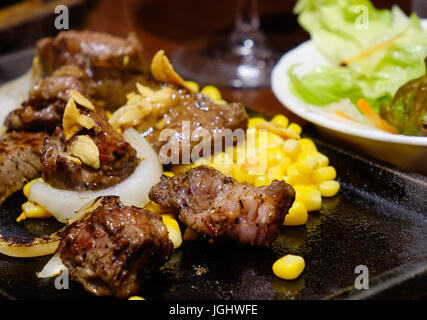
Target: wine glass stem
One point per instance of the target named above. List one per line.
(247, 18)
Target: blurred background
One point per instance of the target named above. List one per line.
(160, 24)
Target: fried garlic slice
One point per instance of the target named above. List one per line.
(163, 71)
(73, 121)
(81, 100)
(131, 115)
(86, 150)
(162, 99)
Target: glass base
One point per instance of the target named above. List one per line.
(235, 61)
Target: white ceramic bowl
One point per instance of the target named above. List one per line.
(409, 152)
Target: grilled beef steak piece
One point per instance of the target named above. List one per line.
(117, 158)
(114, 248)
(113, 64)
(43, 110)
(202, 115)
(218, 206)
(19, 160)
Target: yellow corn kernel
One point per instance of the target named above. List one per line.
(173, 230)
(136, 298)
(276, 156)
(26, 188)
(307, 164)
(261, 180)
(295, 127)
(297, 215)
(32, 210)
(281, 120)
(307, 144)
(168, 173)
(108, 114)
(310, 195)
(223, 163)
(192, 86)
(297, 177)
(190, 235)
(276, 173)
(212, 92)
(289, 267)
(322, 160)
(292, 148)
(154, 207)
(273, 140)
(254, 121)
(201, 162)
(324, 173)
(329, 188)
(239, 173)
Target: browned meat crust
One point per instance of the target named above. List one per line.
(19, 160)
(201, 113)
(114, 248)
(114, 64)
(221, 208)
(44, 108)
(118, 159)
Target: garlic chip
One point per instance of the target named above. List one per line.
(81, 100)
(162, 99)
(73, 121)
(86, 150)
(131, 115)
(163, 71)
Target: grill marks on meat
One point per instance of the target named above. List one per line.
(202, 114)
(45, 106)
(19, 160)
(221, 208)
(114, 248)
(113, 64)
(118, 159)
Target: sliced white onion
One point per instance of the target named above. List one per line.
(36, 248)
(53, 267)
(13, 93)
(66, 206)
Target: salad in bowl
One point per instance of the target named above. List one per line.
(361, 78)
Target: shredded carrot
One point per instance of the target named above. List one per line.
(379, 123)
(343, 115)
(372, 50)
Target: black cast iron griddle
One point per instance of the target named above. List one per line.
(378, 219)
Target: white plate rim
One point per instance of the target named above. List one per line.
(281, 89)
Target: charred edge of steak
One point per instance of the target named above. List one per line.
(88, 49)
(118, 159)
(19, 160)
(113, 64)
(43, 109)
(113, 248)
(221, 208)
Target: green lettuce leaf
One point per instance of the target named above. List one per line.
(333, 26)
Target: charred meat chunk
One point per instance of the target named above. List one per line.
(115, 247)
(61, 169)
(19, 160)
(113, 64)
(221, 208)
(202, 114)
(43, 110)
